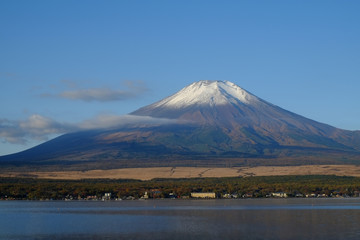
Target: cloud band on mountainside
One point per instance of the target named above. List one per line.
(38, 127)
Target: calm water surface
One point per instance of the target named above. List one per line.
(182, 219)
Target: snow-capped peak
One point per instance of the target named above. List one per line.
(210, 93)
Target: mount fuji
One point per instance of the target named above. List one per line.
(208, 123)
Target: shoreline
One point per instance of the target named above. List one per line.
(274, 187)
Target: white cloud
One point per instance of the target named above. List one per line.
(10, 132)
(38, 127)
(35, 127)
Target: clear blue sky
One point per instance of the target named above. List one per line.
(65, 64)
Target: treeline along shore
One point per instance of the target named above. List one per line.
(239, 187)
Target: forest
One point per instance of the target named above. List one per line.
(246, 187)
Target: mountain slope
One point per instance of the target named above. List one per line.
(212, 123)
(233, 109)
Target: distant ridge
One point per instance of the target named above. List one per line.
(213, 123)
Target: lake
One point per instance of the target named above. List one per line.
(182, 219)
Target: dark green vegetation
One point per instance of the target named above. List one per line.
(257, 187)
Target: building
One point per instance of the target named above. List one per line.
(107, 196)
(226, 195)
(203, 195)
(155, 193)
(247, 195)
(280, 194)
(146, 196)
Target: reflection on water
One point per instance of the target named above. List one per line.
(182, 219)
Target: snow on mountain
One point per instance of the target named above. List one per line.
(206, 101)
(208, 92)
(226, 105)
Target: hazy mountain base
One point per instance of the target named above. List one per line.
(192, 172)
(171, 147)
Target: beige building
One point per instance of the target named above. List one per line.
(279, 194)
(203, 195)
